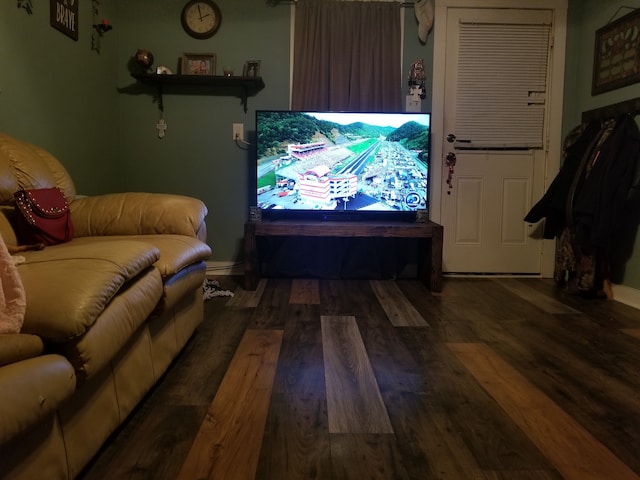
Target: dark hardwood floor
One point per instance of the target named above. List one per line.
(355, 379)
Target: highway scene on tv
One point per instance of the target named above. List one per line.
(342, 161)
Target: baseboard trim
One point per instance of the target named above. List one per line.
(627, 295)
(224, 268)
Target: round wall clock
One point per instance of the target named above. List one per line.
(201, 18)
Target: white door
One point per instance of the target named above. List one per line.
(501, 152)
(483, 214)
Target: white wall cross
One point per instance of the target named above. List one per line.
(161, 126)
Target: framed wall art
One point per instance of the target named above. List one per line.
(616, 61)
(251, 68)
(198, 64)
(63, 16)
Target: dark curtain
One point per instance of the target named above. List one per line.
(347, 56)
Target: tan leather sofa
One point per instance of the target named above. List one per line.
(106, 313)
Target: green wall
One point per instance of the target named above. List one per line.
(87, 110)
(59, 93)
(585, 17)
(198, 156)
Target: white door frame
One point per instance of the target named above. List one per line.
(554, 102)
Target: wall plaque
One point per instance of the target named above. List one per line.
(64, 17)
(616, 60)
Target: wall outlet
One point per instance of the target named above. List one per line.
(238, 131)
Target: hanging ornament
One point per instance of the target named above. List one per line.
(416, 79)
(450, 162)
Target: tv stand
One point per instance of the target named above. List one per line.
(429, 233)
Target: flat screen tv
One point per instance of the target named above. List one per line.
(342, 165)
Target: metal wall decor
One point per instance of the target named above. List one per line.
(27, 5)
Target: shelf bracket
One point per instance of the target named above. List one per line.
(158, 98)
(244, 99)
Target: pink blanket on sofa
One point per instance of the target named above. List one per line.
(12, 297)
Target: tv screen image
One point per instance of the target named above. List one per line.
(342, 164)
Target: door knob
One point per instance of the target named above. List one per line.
(451, 159)
(451, 138)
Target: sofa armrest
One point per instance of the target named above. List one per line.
(15, 347)
(32, 389)
(138, 213)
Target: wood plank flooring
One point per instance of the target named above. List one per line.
(354, 379)
(228, 442)
(570, 448)
(354, 402)
(398, 309)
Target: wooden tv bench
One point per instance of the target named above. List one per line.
(429, 234)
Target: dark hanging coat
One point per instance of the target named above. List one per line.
(553, 205)
(599, 206)
(595, 182)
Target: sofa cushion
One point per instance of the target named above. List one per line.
(24, 165)
(7, 214)
(32, 389)
(117, 324)
(138, 213)
(12, 295)
(176, 251)
(69, 285)
(178, 286)
(15, 347)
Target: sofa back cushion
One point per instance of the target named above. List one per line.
(25, 166)
(12, 296)
(7, 214)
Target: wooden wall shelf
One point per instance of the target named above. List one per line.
(203, 84)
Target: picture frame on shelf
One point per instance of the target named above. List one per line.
(251, 68)
(198, 64)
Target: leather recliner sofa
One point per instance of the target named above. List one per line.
(106, 313)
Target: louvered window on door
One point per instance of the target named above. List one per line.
(501, 86)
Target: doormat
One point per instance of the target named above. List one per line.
(211, 288)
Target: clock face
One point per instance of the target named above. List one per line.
(201, 18)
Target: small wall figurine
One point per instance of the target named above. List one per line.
(416, 79)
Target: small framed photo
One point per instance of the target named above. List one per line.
(251, 68)
(198, 64)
